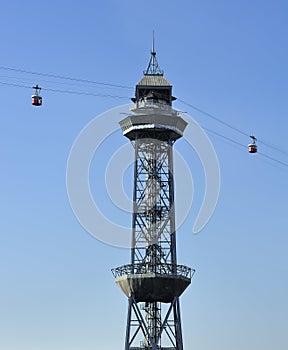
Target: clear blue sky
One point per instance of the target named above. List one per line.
(229, 58)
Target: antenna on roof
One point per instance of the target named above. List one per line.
(153, 66)
(153, 44)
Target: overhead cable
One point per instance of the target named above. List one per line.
(65, 77)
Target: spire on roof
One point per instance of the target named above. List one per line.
(153, 66)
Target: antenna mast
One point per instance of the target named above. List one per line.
(153, 66)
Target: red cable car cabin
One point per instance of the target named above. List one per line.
(252, 148)
(36, 100)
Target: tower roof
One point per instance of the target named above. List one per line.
(153, 87)
(153, 80)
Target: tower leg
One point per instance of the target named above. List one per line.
(127, 339)
(178, 329)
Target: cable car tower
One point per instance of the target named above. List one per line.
(153, 281)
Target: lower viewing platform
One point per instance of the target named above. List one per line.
(148, 283)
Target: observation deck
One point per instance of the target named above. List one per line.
(147, 283)
(155, 119)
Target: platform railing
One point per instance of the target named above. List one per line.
(163, 269)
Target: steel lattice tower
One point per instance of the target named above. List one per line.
(153, 281)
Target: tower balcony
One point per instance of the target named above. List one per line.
(150, 283)
(155, 121)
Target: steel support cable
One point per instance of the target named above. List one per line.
(129, 87)
(240, 144)
(274, 159)
(231, 126)
(213, 117)
(125, 87)
(54, 82)
(66, 91)
(273, 147)
(125, 97)
(64, 77)
(224, 137)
